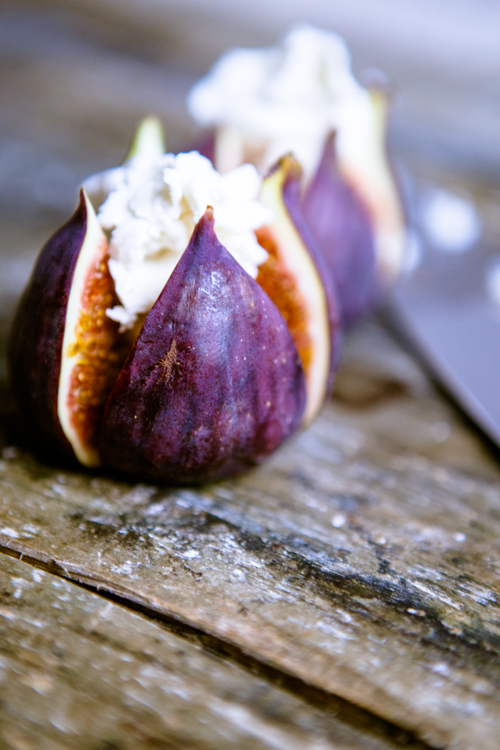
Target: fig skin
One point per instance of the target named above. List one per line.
(342, 228)
(213, 384)
(35, 347)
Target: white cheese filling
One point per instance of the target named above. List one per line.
(288, 98)
(151, 205)
(267, 102)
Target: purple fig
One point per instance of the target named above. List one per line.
(342, 228)
(213, 383)
(65, 353)
(295, 278)
(352, 201)
(224, 369)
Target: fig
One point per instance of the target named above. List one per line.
(342, 229)
(342, 217)
(213, 383)
(298, 283)
(215, 374)
(148, 140)
(264, 103)
(65, 353)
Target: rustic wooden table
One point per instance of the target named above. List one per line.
(344, 595)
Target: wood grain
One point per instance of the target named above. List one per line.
(347, 593)
(354, 566)
(77, 671)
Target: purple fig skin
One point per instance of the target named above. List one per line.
(342, 229)
(35, 347)
(213, 384)
(292, 196)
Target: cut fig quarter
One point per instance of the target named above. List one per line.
(343, 231)
(213, 383)
(298, 282)
(65, 353)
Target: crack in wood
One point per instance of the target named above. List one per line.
(345, 711)
(352, 589)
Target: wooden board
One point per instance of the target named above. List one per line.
(343, 595)
(77, 671)
(346, 564)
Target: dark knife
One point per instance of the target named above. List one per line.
(443, 308)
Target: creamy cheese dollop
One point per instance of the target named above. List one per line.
(288, 98)
(150, 206)
(266, 102)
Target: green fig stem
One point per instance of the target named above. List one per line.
(148, 140)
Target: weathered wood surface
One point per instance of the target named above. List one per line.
(77, 671)
(345, 594)
(348, 562)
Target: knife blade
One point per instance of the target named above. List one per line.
(443, 308)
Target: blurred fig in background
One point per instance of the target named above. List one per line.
(264, 103)
(342, 228)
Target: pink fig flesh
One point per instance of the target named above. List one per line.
(369, 171)
(213, 383)
(342, 229)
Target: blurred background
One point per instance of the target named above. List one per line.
(77, 75)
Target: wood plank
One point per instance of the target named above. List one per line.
(361, 562)
(352, 561)
(77, 671)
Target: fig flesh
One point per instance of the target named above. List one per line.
(342, 229)
(213, 383)
(65, 353)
